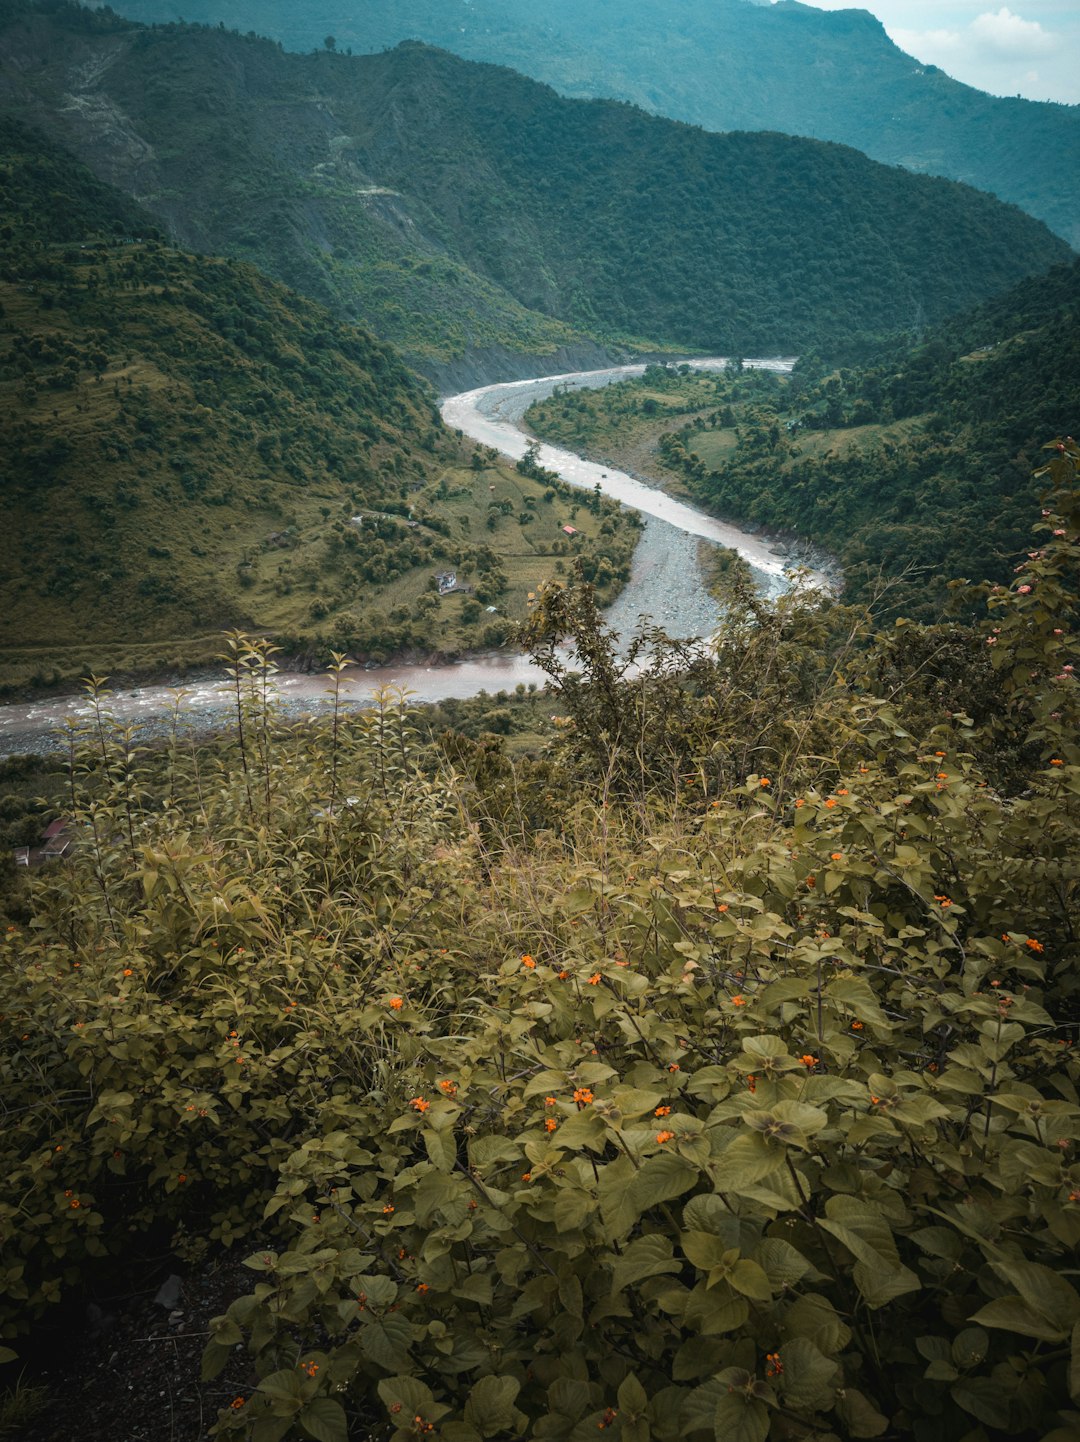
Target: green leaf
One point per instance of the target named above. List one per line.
(270, 1429)
(859, 1415)
(984, 1399)
(783, 1264)
(324, 1420)
(749, 1279)
(385, 1340)
(633, 1399)
(747, 1160)
(285, 1388)
(739, 1418)
(807, 1375)
(441, 1149)
(1043, 1290)
(970, 1347)
(646, 1257)
(815, 1317)
(407, 1392)
(458, 1432)
(573, 1207)
(660, 1178)
(1012, 1314)
(490, 1407)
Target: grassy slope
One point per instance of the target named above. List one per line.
(832, 76)
(595, 215)
(920, 459)
(185, 443)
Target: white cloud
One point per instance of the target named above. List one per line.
(925, 44)
(1008, 35)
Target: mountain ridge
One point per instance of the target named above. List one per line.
(832, 75)
(454, 207)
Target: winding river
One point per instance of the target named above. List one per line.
(665, 581)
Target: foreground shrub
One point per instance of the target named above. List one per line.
(742, 1110)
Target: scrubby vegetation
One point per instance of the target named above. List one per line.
(710, 1073)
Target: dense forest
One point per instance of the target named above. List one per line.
(188, 446)
(913, 459)
(710, 1072)
(722, 64)
(453, 206)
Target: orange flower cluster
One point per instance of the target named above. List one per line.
(738, 1001)
(773, 1365)
(663, 1137)
(662, 1112)
(594, 980)
(528, 962)
(448, 1088)
(583, 1096)
(418, 1104)
(550, 1124)
(809, 1060)
(1034, 945)
(395, 1003)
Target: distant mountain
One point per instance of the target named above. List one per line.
(722, 64)
(454, 206)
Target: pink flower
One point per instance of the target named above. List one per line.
(1024, 590)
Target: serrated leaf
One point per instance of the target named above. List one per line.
(1043, 1290)
(740, 1419)
(270, 1429)
(407, 1392)
(859, 1415)
(385, 1340)
(646, 1257)
(747, 1160)
(807, 1374)
(324, 1420)
(1012, 1314)
(984, 1399)
(969, 1347)
(659, 1179)
(441, 1149)
(784, 1265)
(490, 1406)
(573, 1207)
(633, 1399)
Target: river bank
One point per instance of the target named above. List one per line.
(666, 585)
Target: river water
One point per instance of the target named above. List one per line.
(665, 582)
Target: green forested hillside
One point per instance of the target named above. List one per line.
(723, 64)
(389, 185)
(919, 458)
(188, 446)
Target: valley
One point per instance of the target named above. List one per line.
(562, 919)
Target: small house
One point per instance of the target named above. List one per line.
(570, 530)
(446, 581)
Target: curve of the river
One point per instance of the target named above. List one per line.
(665, 582)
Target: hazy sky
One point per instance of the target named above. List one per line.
(1031, 50)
